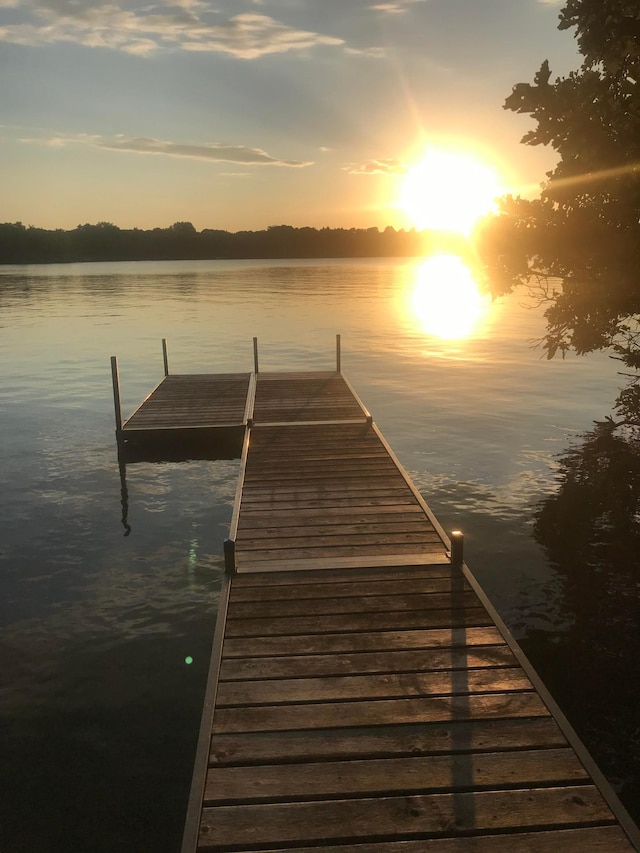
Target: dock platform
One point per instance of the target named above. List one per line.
(363, 693)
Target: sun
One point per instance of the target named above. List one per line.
(447, 191)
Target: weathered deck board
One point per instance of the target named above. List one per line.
(601, 839)
(391, 817)
(359, 663)
(450, 737)
(357, 622)
(323, 780)
(347, 589)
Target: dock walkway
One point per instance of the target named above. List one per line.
(363, 694)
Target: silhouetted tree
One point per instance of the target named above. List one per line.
(581, 238)
(181, 241)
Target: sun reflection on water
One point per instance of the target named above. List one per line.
(446, 299)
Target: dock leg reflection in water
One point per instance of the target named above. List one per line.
(124, 493)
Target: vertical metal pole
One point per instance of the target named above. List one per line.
(165, 356)
(230, 556)
(457, 548)
(255, 356)
(338, 354)
(115, 378)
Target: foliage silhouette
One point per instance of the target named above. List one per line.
(590, 531)
(181, 241)
(581, 239)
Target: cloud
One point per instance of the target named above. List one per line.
(213, 152)
(373, 52)
(177, 24)
(378, 167)
(389, 8)
(395, 7)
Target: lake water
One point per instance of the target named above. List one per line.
(99, 710)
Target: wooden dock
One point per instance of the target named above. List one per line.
(363, 694)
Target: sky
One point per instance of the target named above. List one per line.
(241, 114)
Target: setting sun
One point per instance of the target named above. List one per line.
(446, 299)
(446, 191)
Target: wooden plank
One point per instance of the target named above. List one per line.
(345, 469)
(292, 375)
(315, 553)
(253, 563)
(389, 514)
(378, 712)
(369, 639)
(388, 776)
(293, 626)
(288, 540)
(597, 839)
(449, 737)
(255, 504)
(281, 499)
(389, 817)
(312, 455)
(398, 526)
(359, 663)
(265, 591)
(391, 572)
(364, 687)
(456, 600)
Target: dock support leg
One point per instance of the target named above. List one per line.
(338, 355)
(230, 556)
(115, 379)
(457, 547)
(165, 356)
(255, 356)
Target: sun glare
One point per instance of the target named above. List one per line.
(446, 191)
(446, 299)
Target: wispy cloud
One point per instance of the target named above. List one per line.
(380, 166)
(178, 24)
(216, 151)
(390, 8)
(373, 52)
(394, 7)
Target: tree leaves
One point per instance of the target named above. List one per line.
(583, 232)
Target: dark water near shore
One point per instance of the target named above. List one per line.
(98, 710)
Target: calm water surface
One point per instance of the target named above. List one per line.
(99, 709)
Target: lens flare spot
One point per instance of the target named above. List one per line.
(193, 554)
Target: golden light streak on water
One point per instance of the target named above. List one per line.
(446, 299)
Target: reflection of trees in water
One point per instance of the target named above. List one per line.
(590, 530)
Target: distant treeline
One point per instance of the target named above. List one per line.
(20, 244)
